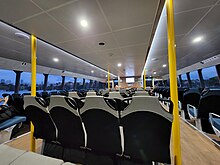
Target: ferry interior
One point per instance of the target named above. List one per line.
(109, 82)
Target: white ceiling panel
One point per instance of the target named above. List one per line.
(71, 15)
(137, 52)
(128, 13)
(184, 5)
(48, 4)
(133, 36)
(46, 28)
(14, 10)
(108, 39)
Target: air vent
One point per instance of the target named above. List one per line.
(209, 60)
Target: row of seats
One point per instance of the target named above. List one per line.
(12, 156)
(139, 133)
(202, 106)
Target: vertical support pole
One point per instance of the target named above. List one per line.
(202, 83)
(17, 80)
(173, 82)
(33, 83)
(119, 83)
(108, 79)
(181, 81)
(84, 85)
(63, 83)
(145, 85)
(74, 85)
(152, 82)
(45, 82)
(189, 80)
(218, 71)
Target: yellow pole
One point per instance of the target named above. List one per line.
(108, 80)
(145, 79)
(33, 83)
(173, 82)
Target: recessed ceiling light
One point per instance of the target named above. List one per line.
(106, 75)
(22, 35)
(119, 64)
(84, 23)
(92, 71)
(55, 59)
(155, 72)
(164, 65)
(197, 39)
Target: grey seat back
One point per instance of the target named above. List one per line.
(37, 112)
(116, 95)
(147, 130)
(102, 126)
(141, 93)
(91, 94)
(64, 112)
(73, 94)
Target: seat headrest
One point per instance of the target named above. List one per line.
(146, 103)
(35, 101)
(91, 94)
(97, 102)
(73, 94)
(116, 95)
(141, 93)
(63, 101)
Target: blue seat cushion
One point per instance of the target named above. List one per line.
(12, 121)
(191, 111)
(216, 123)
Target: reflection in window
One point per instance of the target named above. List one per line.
(7, 84)
(210, 77)
(87, 84)
(185, 82)
(79, 83)
(69, 83)
(194, 77)
(54, 82)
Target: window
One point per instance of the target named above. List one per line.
(69, 83)
(185, 82)
(7, 84)
(54, 82)
(194, 77)
(210, 77)
(25, 82)
(87, 84)
(79, 83)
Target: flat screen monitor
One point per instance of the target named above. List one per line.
(130, 80)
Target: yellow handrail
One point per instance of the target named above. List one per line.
(108, 79)
(33, 83)
(173, 82)
(145, 79)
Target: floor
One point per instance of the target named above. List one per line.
(196, 149)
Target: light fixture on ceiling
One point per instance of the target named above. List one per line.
(101, 43)
(119, 64)
(197, 39)
(154, 72)
(92, 71)
(106, 75)
(164, 65)
(154, 59)
(84, 23)
(22, 35)
(55, 59)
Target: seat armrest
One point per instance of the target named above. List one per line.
(194, 109)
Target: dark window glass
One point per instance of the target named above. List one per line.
(54, 82)
(69, 83)
(25, 82)
(185, 82)
(194, 77)
(210, 77)
(7, 84)
(79, 83)
(87, 84)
